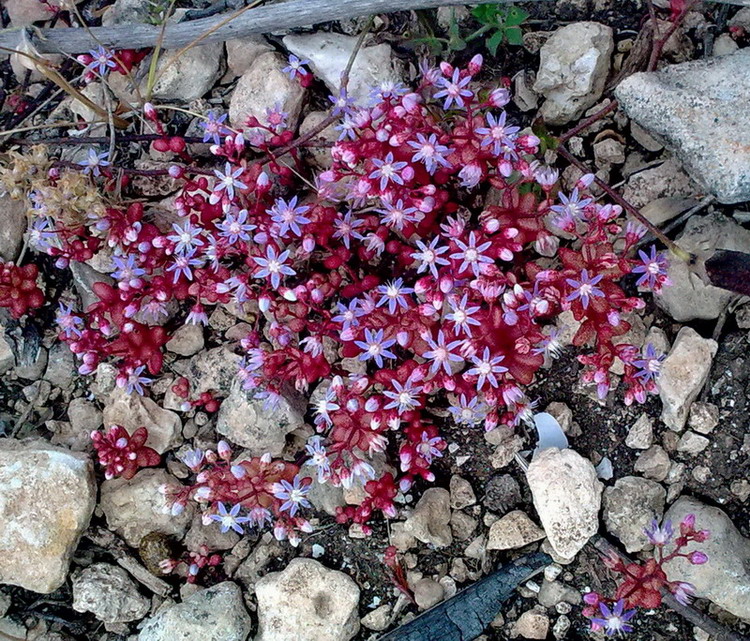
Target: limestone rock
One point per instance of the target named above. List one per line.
(514, 530)
(532, 624)
(691, 443)
(683, 374)
(428, 593)
(462, 494)
(136, 507)
(264, 86)
(630, 506)
(573, 68)
(704, 417)
(567, 497)
(692, 108)
(213, 369)
(192, 75)
(7, 355)
(215, 614)
(250, 423)
(329, 54)
(641, 433)
(688, 297)
(108, 592)
(84, 416)
(502, 493)
(243, 52)
(187, 340)
(430, 520)
(667, 180)
(133, 411)
(725, 579)
(47, 497)
(653, 463)
(13, 227)
(307, 602)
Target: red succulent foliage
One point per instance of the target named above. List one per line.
(18, 289)
(123, 454)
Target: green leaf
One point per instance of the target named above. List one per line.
(494, 42)
(514, 35)
(516, 16)
(486, 13)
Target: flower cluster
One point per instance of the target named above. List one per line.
(19, 292)
(642, 583)
(123, 454)
(244, 493)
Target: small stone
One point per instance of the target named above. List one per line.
(644, 139)
(573, 69)
(109, 593)
(210, 370)
(641, 434)
(681, 105)
(13, 227)
(477, 549)
(692, 443)
(307, 602)
(561, 627)
(563, 415)
(84, 416)
(210, 536)
(665, 180)
(401, 539)
(243, 52)
(248, 421)
(154, 548)
(567, 498)
(186, 341)
(428, 593)
(329, 55)
(629, 507)
(136, 507)
(726, 577)
(263, 86)
(320, 156)
(553, 592)
(323, 496)
(379, 619)
(430, 520)
(7, 355)
(609, 152)
(683, 375)
(191, 75)
(514, 530)
(508, 444)
(462, 494)
(531, 625)
(653, 463)
(703, 417)
(48, 496)
(462, 525)
(214, 614)
(701, 473)
(741, 489)
(61, 365)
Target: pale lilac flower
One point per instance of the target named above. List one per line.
(430, 152)
(614, 621)
(460, 315)
(293, 494)
(584, 288)
(68, 322)
(441, 354)
(497, 134)
(395, 216)
(468, 412)
(197, 316)
(127, 271)
(103, 61)
(650, 364)
(387, 89)
(135, 381)
(682, 591)
(235, 227)
(230, 520)
(428, 447)
(276, 118)
(394, 295)
(375, 347)
(273, 265)
(41, 234)
(404, 397)
(348, 316)
(182, 265)
(550, 344)
(572, 206)
(193, 459)
(429, 256)
(289, 216)
(324, 406)
(228, 181)
(94, 162)
(342, 104)
(295, 66)
(318, 458)
(454, 90)
(486, 368)
(471, 255)
(652, 267)
(213, 127)
(387, 170)
(187, 238)
(346, 228)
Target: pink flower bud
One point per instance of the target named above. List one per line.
(475, 64)
(224, 450)
(698, 558)
(149, 111)
(499, 97)
(446, 68)
(402, 338)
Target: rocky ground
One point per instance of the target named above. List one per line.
(79, 554)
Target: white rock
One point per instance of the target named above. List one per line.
(688, 297)
(329, 54)
(136, 507)
(430, 520)
(215, 614)
(379, 619)
(567, 497)
(48, 495)
(532, 624)
(667, 180)
(211, 370)
(248, 422)
(683, 374)
(320, 156)
(109, 593)
(704, 417)
(191, 75)
(187, 340)
(641, 434)
(264, 86)
(573, 68)
(682, 104)
(462, 494)
(514, 530)
(691, 443)
(630, 506)
(428, 593)
(84, 416)
(307, 602)
(725, 579)
(133, 411)
(13, 227)
(653, 463)
(243, 52)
